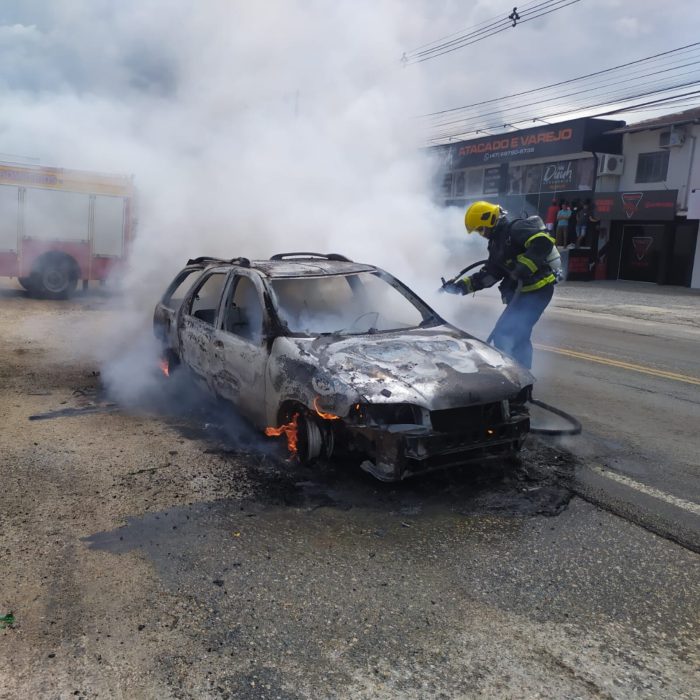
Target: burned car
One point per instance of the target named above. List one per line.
(337, 356)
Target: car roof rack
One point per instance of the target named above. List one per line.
(243, 262)
(322, 256)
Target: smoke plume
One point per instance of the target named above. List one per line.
(249, 129)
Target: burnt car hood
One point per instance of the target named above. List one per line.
(436, 368)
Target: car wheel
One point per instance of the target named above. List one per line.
(314, 439)
(310, 443)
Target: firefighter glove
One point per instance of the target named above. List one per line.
(463, 286)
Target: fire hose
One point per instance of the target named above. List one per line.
(575, 424)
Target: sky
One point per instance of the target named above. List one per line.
(256, 128)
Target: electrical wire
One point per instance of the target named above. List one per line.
(449, 36)
(592, 92)
(577, 94)
(515, 116)
(492, 28)
(573, 109)
(527, 14)
(680, 51)
(630, 108)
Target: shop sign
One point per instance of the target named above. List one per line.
(528, 143)
(557, 177)
(649, 205)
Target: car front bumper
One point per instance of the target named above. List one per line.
(398, 451)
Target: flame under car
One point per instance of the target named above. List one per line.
(340, 357)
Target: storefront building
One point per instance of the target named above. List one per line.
(525, 170)
(635, 186)
(654, 238)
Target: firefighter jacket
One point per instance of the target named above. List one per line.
(518, 250)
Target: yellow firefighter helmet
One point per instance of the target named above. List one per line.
(480, 216)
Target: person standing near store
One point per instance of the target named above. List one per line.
(582, 216)
(563, 216)
(550, 219)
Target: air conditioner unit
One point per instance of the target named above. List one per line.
(610, 164)
(671, 139)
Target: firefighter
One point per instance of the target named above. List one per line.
(522, 255)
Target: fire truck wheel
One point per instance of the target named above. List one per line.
(26, 282)
(55, 276)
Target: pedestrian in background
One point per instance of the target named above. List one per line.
(550, 219)
(563, 216)
(582, 225)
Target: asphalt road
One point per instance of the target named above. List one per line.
(635, 386)
(161, 551)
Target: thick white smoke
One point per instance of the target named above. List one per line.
(250, 129)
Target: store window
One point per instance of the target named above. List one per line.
(652, 167)
(447, 185)
(459, 184)
(475, 181)
(492, 180)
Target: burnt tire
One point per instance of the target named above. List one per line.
(55, 276)
(314, 439)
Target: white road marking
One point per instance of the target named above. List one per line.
(649, 490)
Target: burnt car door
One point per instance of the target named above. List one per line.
(241, 347)
(197, 325)
(165, 315)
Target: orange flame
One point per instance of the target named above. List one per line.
(164, 368)
(289, 430)
(327, 416)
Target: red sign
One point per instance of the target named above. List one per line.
(630, 202)
(649, 205)
(641, 245)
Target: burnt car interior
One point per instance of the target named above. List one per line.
(205, 301)
(243, 310)
(356, 303)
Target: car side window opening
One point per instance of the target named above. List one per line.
(358, 303)
(180, 286)
(205, 302)
(244, 312)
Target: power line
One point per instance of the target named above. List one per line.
(628, 81)
(492, 28)
(636, 107)
(514, 117)
(500, 22)
(449, 36)
(592, 91)
(580, 109)
(565, 82)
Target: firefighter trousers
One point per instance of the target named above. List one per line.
(514, 328)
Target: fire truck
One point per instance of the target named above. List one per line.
(59, 227)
